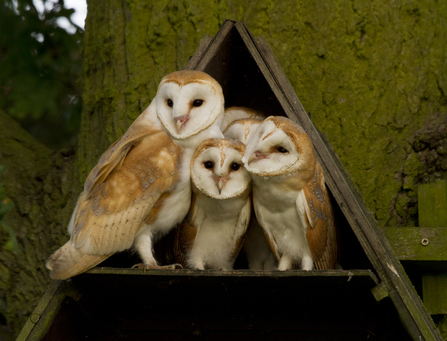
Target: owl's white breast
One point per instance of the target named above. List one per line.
(271, 192)
(221, 211)
(215, 239)
(279, 212)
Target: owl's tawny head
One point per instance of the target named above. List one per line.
(279, 146)
(241, 130)
(217, 170)
(239, 113)
(189, 102)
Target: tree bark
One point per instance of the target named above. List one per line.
(38, 181)
(373, 75)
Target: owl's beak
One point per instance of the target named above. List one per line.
(180, 122)
(256, 156)
(221, 181)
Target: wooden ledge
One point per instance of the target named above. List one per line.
(346, 274)
(210, 282)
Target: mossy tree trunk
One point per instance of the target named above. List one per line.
(373, 75)
(39, 183)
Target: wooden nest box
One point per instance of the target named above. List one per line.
(371, 298)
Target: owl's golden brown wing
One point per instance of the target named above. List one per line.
(321, 232)
(122, 194)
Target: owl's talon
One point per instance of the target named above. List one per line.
(176, 266)
(138, 266)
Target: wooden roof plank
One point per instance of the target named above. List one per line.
(199, 53)
(208, 48)
(43, 315)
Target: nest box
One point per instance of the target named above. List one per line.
(371, 298)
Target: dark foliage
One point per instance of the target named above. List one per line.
(40, 67)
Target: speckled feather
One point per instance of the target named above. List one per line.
(121, 195)
(129, 195)
(321, 233)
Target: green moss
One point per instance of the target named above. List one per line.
(412, 165)
(401, 205)
(408, 182)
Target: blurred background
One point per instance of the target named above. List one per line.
(40, 63)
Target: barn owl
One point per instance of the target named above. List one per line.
(256, 248)
(140, 188)
(238, 113)
(290, 197)
(212, 234)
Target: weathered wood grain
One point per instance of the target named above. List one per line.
(43, 315)
(347, 274)
(418, 243)
(434, 290)
(432, 204)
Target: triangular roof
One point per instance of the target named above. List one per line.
(225, 57)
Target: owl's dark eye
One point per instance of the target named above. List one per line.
(235, 166)
(170, 103)
(208, 164)
(197, 103)
(282, 150)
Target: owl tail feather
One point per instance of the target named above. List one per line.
(68, 261)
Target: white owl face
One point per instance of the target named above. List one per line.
(217, 169)
(188, 102)
(278, 147)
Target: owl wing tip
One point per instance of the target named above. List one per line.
(68, 261)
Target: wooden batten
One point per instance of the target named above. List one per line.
(325, 304)
(422, 249)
